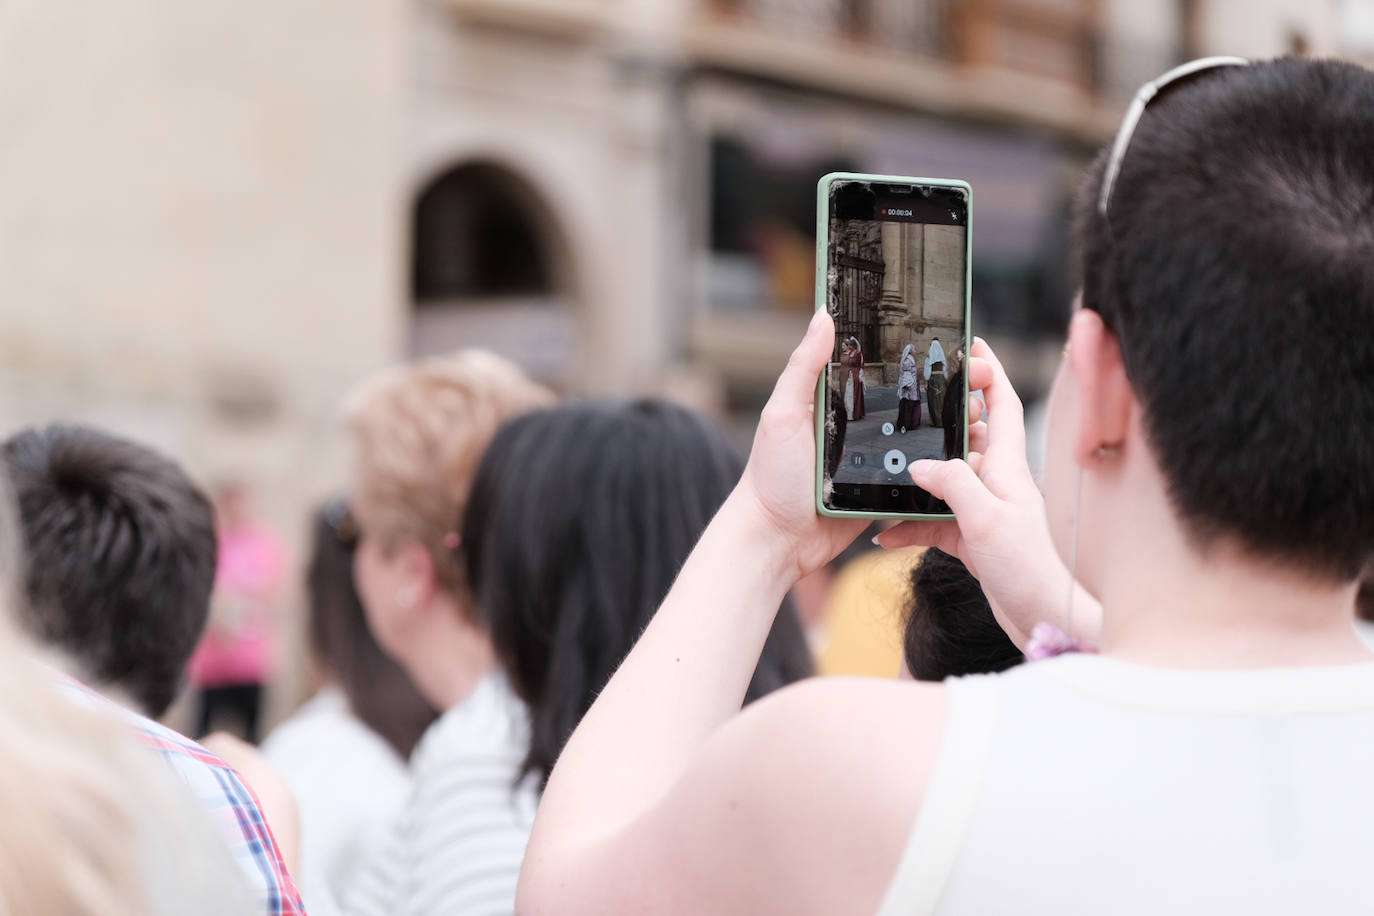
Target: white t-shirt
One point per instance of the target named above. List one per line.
(1082, 784)
(457, 847)
(349, 784)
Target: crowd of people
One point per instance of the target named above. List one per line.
(559, 658)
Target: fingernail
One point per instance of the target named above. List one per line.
(876, 542)
(920, 467)
(816, 318)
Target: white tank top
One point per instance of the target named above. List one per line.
(1087, 785)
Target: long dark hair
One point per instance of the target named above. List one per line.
(379, 691)
(579, 520)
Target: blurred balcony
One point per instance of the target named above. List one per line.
(570, 19)
(1034, 62)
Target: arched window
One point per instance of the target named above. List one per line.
(476, 237)
(491, 267)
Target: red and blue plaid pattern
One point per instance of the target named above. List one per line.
(226, 798)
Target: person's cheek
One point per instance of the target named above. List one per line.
(366, 575)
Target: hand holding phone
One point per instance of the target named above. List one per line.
(1002, 534)
(892, 271)
(774, 495)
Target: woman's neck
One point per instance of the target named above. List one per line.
(450, 658)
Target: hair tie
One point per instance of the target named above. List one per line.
(1047, 641)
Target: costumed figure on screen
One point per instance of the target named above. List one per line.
(852, 356)
(908, 391)
(956, 403)
(935, 382)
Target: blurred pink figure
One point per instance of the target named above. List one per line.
(234, 658)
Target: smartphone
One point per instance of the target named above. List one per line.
(893, 269)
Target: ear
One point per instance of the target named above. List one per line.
(1105, 396)
(416, 568)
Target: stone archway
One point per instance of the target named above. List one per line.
(490, 267)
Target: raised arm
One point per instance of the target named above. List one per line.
(687, 675)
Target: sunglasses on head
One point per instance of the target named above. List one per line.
(1142, 99)
(340, 520)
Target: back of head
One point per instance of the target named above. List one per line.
(120, 549)
(379, 691)
(1236, 268)
(579, 521)
(89, 817)
(950, 628)
(418, 432)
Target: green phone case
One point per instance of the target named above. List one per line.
(822, 285)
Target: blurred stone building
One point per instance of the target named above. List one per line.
(218, 215)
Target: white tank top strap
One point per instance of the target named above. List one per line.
(949, 798)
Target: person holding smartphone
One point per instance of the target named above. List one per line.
(1208, 759)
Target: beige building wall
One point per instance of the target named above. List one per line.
(200, 240)
(199, 232)
(1269, 28)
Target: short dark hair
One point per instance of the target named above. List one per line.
(579, 520)
(379, 691)
(1236, 268)
(120, 557)
(950, 627)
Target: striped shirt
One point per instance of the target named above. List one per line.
(456, 848)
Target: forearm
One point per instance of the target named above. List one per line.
(686, 676)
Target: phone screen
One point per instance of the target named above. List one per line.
(897, 266)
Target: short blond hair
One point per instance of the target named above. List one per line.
(418, 433)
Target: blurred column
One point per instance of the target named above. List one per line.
(897, 294)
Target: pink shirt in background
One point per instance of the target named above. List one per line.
(237, 647)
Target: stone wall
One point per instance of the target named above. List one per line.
(202, 229)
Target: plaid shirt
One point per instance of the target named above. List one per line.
(226, 798)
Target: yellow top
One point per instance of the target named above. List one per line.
(864, 619)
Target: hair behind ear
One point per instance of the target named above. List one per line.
(379, 691)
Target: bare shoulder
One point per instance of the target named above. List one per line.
(804, 802)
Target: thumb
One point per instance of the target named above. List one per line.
(797, 384)
(955, 482)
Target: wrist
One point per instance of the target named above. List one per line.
(755, 538)
(1059, 602)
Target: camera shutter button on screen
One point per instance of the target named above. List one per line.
(894, 461)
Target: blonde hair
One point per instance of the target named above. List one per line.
(418, 434)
